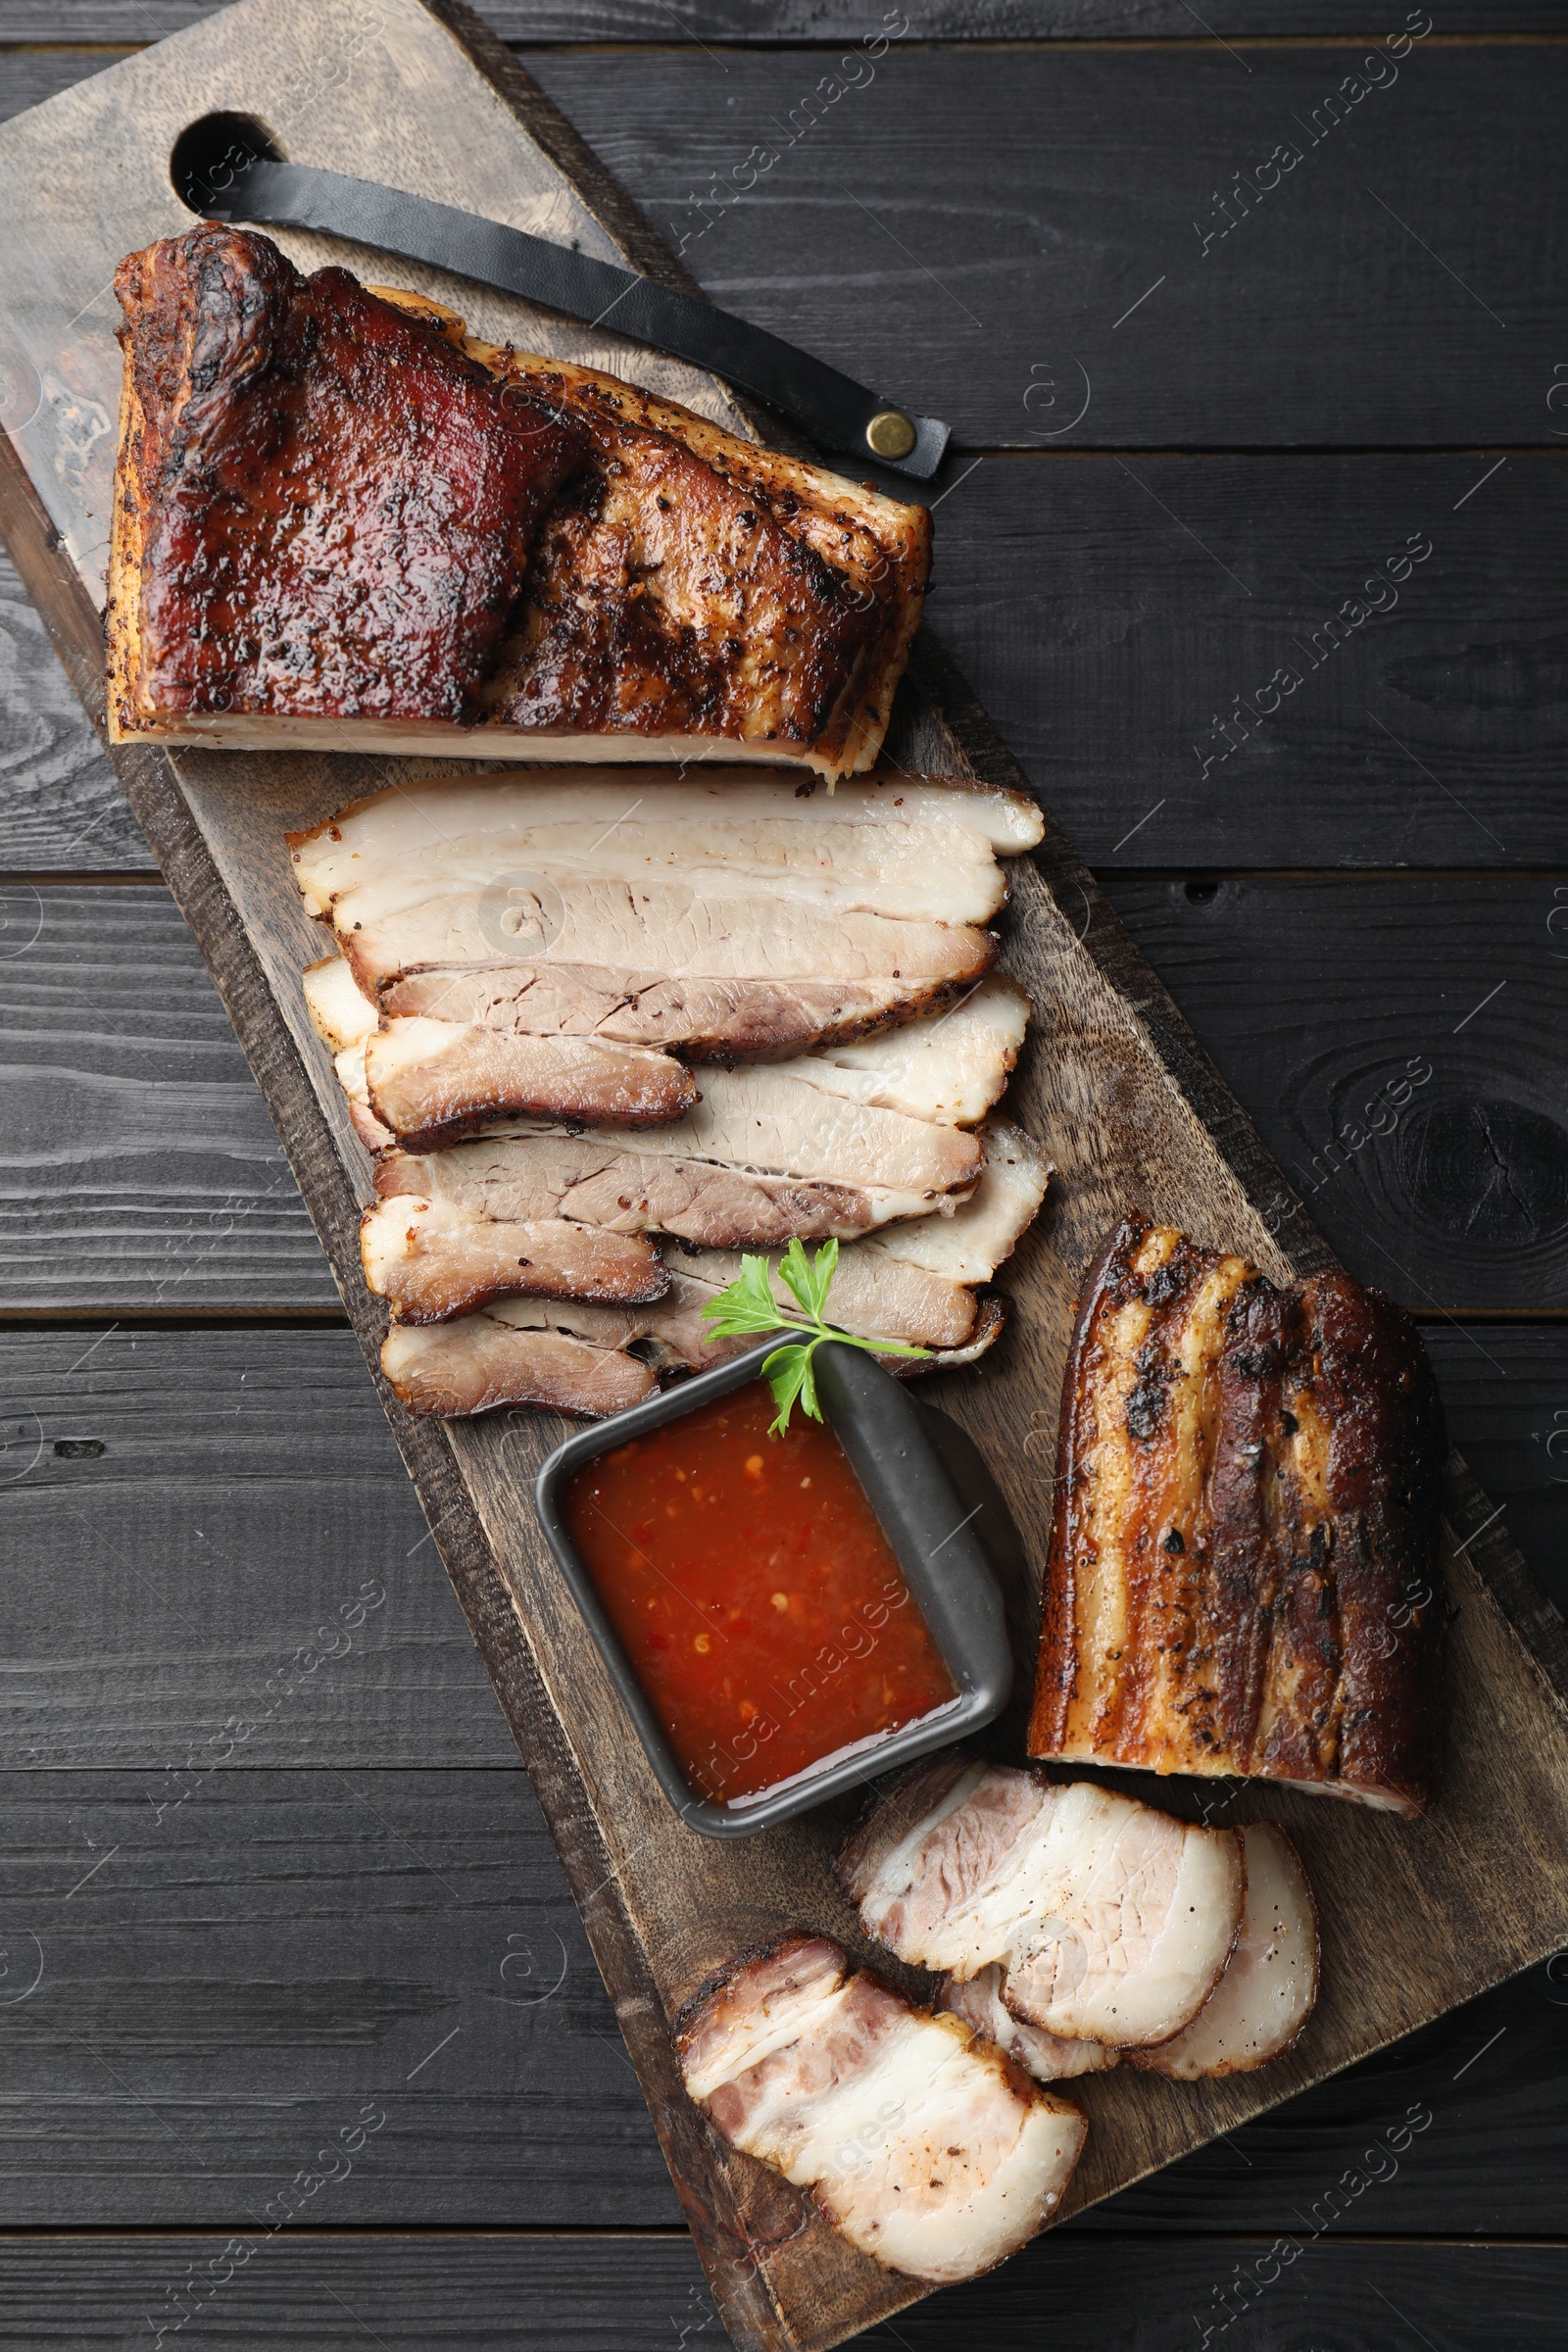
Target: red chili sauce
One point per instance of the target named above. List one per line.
(760, 1605)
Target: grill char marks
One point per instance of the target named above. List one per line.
(327, 508)
(1243, 1575)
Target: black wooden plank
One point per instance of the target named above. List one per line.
(186, 1513)
(199, 1993)
(829, 22)
(1127, 621)
(225, 1982)
(609, 2293)
(1402, 1048)
(138, 1165)
(60, 808)
(1394, 287)
(140, 1173)
(987, 231)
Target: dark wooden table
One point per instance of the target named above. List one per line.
(1253, 546)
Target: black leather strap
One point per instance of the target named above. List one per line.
(835, 410)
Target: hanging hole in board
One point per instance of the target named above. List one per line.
(1202, 894)
(208, 157)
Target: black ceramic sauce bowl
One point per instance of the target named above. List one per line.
(878, 1426)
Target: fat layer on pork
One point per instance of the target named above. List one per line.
(1046, 2056)
(1257, 2010)
(916, 2137)
(1111, 1921)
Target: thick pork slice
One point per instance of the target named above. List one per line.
(1243, 1575)
(1111, 1921)
(431, 1082)
(1261, 2005)
(882, 845)
(1046, 2056)
(919, 2142)
(429, 1265)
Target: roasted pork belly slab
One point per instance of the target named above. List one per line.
(323, 510)
(1244, 1574)
(373, 483)
(1259, 2008)
(1112, 1922)
(916, 2137)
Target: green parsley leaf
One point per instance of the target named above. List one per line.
(748, 1304)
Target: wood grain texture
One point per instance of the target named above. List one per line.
(995, 283)
(168, 1193)
(1116, 1083)
(186, 1513)
(603, 2293)
(229, 1964)
(60, 806)
(818, 23)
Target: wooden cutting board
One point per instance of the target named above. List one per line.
(1415, 1918)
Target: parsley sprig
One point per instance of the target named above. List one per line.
(748, 1306)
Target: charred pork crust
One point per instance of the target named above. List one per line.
(336, 506)
(328, 495)
(1243, 1569)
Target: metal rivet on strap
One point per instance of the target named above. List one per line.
(889, 434)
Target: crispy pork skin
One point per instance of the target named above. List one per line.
(428, 1265)
(1259, 2007)
(1111, 1921)
(431, 1082)
(916, 2137)
(375, 480)
(1243, 1575)
(323, 509)
(1046, 2056)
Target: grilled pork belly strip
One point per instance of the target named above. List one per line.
(1243, 1576)
(430, 1265)
(665, 588)
(1111, 1921)
(1257, 2010)
(917, 2139)
(1046, 2056)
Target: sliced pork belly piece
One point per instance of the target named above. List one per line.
(480, 1364)
(429, 1265)
(1243, 1575)
(1046, 2056)
(919, 2142)
(982, 1231)
(704, 1020)
(500, 1355)
(1111, 1921)
(431, 1082)
(887, 847)
(1261, 2005)
(341, 1014)
(950, 1068)
(661, 926)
